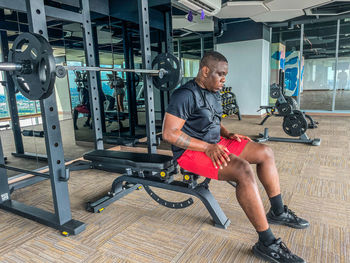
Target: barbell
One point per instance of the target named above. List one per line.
(31, 64)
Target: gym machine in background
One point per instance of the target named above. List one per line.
(284, 104)
(295, 122)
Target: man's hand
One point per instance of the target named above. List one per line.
(218, 154)
(238, 137)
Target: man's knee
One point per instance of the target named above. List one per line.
(266, 152)
(243, 170)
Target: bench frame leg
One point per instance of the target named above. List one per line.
(201, 191)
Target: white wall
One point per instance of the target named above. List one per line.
(265, 70)
(248, 73)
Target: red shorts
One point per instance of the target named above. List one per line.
(199, 163)
(82, 109)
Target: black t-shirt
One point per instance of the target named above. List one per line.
(85, 97)
(202, 111)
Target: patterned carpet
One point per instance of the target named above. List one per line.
(314, 180)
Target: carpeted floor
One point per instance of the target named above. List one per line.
(314, 180)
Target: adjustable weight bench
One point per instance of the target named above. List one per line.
(155, 170)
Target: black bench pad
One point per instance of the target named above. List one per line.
(141, 161)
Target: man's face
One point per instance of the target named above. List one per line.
(215, 75)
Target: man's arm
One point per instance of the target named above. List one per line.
(172, 133)
(230, 135)
(224, 132)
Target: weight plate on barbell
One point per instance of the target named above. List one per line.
(33, 49)
(172, 76)
(295, 124)
(61, 72)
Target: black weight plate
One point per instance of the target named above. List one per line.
(33, 48)
(170, 79)
(61, 72)
(292, 102)
(275, 91)
(295, 124)
(284, 109)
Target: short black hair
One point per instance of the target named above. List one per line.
(211, 56)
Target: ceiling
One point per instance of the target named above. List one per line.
(68, 36)
(319, 40)
(285, 16)
(281, 10)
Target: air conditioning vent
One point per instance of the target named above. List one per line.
(210, 7)
(202, 5)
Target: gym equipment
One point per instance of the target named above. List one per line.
(5, 126)
(170, 64)
(229, 103)
(33, 133)
(165, 72)
(283, 107)
(62, 70)
(294, 121)
(33, 69)
(35, 78)
(155, 170)
(32, 66)
(151, 169)
(295, 124)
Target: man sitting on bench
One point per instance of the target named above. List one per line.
(202, 145)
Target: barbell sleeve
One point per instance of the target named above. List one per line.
(7, 66)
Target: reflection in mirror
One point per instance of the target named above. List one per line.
(113, 83)
(319, 59)
(78, 84)
(285, 53)
(342, 96)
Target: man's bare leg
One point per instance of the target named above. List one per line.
(240, 171)
(263, 157)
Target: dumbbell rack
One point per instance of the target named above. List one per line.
(229, 103)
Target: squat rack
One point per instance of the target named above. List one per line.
(61, 219)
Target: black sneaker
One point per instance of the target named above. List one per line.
(277, 252)
(287, 218)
